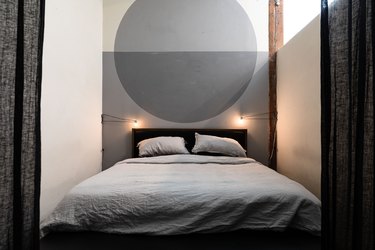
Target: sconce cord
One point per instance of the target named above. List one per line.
(117, 119)
(259, 116)
(274, 117)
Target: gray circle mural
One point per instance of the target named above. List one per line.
(185, 61)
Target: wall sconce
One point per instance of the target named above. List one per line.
(113, 118)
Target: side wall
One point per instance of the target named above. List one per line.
(71, 97)
(299, 108)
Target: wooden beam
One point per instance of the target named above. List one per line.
(276, 33)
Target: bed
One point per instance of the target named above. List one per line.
(182, 194)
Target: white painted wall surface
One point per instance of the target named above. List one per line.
(298, 95)
(298, 14)
(71, 97)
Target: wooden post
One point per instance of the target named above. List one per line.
(275, 42)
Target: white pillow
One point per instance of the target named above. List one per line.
(218, 145)
(163, 145)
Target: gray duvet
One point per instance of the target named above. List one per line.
(181, 194)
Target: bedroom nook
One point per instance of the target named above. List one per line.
(173, 124)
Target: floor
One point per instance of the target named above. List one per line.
(225, 241)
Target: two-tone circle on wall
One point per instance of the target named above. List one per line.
(185, 61)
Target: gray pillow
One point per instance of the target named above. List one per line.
(163, 145)
(217, 145)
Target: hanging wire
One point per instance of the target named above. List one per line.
(259, 116)
(116, 119)
(274, 117)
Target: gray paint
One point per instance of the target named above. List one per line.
(185, 87)
(190, 62)
(181, 25)
(117, 137)
(185, 61)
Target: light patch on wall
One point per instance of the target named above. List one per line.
(258, 21)
(185, 61)
(297, 15)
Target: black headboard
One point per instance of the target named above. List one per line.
(188, 134)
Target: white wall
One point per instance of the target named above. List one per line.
(71, 97)
(298, 94)
(298, 14)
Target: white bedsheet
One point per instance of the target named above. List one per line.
(181, 194)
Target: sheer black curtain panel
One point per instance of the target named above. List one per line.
(347, 105)
(21, 42)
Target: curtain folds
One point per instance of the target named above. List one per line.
(347, 100)
(21, 40)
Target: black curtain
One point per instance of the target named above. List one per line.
(347, 99)
(21, 39)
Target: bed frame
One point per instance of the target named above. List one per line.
(243, 239)
(139, 134)
(259, 240)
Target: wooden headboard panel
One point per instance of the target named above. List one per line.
(140, 134)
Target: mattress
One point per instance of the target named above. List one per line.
(181, 194)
